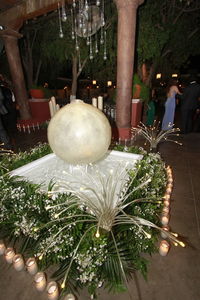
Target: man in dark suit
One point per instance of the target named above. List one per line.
(189, 104)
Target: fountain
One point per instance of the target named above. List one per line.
(79, 135)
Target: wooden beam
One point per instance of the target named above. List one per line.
(28, 9)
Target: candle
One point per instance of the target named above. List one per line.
(163, 235)
(70, 297)
(166, 209)
(18, 262)
(51, 109)
(2, 247)
(31, 266)
(167, 197)
(169, 179)
(9, 254)
(40, 281)
(94, 102)
(165, 219)
(57, 107)
(164, 248)
(53, 101)
(100, 103)
(52, 290)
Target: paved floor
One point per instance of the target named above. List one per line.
(174, 277)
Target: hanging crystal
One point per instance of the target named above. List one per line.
(72, 20)
(86, 5)
(102, 38)
(96, 44)
(98, 2)
(64, 16)
(102, 14)
(87, 41)
(79, 62)
(91, 51)
(61, 35)
(77, 44)
(105, 50)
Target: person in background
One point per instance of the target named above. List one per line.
(170, 105)
(151, 110)
(189, 105)
(4, 138)
(9, 119)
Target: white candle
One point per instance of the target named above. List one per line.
(100, 102)
(94, 102)
(52, 290)
(40, 281)
(166, 203)
(167, 197)
(9, 254)
(69, 297)
(53, 101)
(164, 248)
(166, 209)
(31, 266)
(18, 262)
(169, 179)
(51, 109)
(2, 247)
(163, 235)
(57, 107)
(165, 219)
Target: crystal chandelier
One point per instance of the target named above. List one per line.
(87, 19)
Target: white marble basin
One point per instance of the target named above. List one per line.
(51, 168)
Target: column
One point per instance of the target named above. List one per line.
(127, 10)
(10, 38)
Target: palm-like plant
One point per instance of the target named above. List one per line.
(153, 135)
(104, 203)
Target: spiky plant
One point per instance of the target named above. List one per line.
(104, 203)
(153, 135)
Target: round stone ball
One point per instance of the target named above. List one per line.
(79, 133)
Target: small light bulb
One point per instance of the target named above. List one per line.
(63, 285)
(97, 234)
(40, 257)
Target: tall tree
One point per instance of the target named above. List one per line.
(168, 34)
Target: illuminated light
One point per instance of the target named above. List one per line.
(40, 257)
(175, 234)
(94, 82)
(148, 235)
(174, 75)
(97, 234)
(158, 76)
(109, 83)
(63, 285)
(65, 88)
(175, 244)
(182, 244)
(56, 216)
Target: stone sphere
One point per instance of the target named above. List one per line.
(79, 133)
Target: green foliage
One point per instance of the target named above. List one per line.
(69, 241)
(144, 92)
(167, 33)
